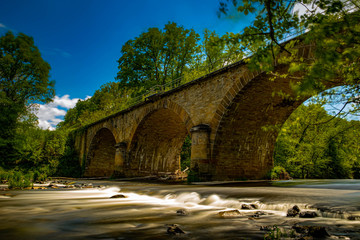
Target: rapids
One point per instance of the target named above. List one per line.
(150, 208)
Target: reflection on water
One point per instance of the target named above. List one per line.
(149, 209)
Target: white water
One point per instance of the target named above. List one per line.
(149, 208)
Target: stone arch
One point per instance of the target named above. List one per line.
(242, 148)
(156, 143)
(163, 104)
(100, 159)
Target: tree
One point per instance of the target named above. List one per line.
(332, 26)
(24, 80)
(308, 149)
(157, 56)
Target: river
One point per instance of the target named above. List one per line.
(150, 209)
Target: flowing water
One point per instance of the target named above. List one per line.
(150, 208)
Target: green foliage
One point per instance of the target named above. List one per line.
(18, 180)
(156, 56)
(314, 144)
(277, 233)
(24, 80)
(69, 165)
(193, 176)
(332, 29)
(185, 154)
(274, 233)
(277, 173)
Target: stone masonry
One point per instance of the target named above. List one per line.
(224, 112)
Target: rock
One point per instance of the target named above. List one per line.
(246, 206)
(174, 229)
(254, 206)
(182, 212)
(308, 214)
(260, 213)
(353, 217)
(313, 231)
(230, 213)
(118, 196)
(318, 232)
(292, 212)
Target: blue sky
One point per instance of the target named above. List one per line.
(82, 39)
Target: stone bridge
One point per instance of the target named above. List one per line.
(224, 112)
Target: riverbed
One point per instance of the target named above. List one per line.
(149, 210)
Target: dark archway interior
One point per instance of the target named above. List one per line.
(243, 147)
(100, 160)
(157, 144)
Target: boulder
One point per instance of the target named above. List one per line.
(230, 213)
(313, 231)
(182, 212)
(254, 206)
(174, 229)
(118, 196)
(293, 212)
(246, 206)
(308, 214)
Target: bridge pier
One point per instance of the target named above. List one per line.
(120, 158)
(200, 153)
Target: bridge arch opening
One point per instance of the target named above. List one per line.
(100, 160)
(156, 146)
(319, 139)
(243, 146)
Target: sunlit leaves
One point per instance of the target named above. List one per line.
(308, 149)
(156, 56)
(24, 80)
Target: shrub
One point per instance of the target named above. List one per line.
(19, 180)
(279, 173)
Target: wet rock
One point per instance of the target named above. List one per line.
(118, 196)
(174, 229)
(293, 212)
(353, 218)
(230, 213)
(308, 214)
(182, 212)
(312, 231)
(254, 206)
(246, 206)
(260, 213)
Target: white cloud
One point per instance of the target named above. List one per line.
(2, 25)
(52, 113)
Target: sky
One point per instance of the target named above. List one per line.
(82, 39)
